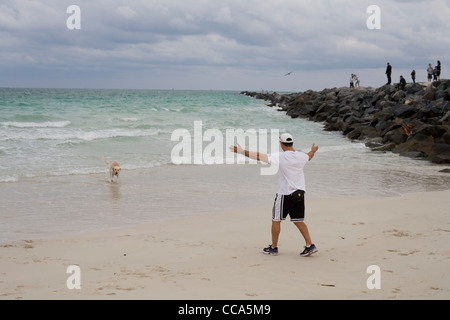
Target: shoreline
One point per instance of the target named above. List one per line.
(54, 206)
(218, 256)
(68, 205)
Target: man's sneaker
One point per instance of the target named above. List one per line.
(270, 250)
(309, 251)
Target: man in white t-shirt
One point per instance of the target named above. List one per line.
(291, 192)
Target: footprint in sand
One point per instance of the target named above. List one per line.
(28, 244)
(251, 294)
(436, 288)
(7, 246)
(398, 233)
(408, 253)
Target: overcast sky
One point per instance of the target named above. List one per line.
(219, 44)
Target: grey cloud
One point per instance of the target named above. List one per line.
(122, 36)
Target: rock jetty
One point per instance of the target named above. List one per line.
(413, 120)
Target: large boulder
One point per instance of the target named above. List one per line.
(429, 94)
(404, 111)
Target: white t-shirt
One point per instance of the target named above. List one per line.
(290, 170)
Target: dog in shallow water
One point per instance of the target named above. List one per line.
(114, 169)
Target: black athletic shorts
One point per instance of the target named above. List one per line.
(284, 206)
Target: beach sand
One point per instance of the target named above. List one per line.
(219, 256)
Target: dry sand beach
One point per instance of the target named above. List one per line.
(218, 256)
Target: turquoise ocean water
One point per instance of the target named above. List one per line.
(52, 137)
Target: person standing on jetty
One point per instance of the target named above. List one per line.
(430, 72)
(357, 85)
(388, 72)
(413, 76)
(290, 199)
(438, 70)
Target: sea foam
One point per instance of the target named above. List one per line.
(76, 135)
(48, 124)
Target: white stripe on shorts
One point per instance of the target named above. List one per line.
(277, 211)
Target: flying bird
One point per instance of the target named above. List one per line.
(288, 74)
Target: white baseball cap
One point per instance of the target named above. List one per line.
(286, 138)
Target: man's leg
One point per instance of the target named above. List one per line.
(276, 228)
(304, 231)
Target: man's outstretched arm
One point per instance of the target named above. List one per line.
(250, 154)
(314, 148)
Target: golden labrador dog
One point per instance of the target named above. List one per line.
(114, 169)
